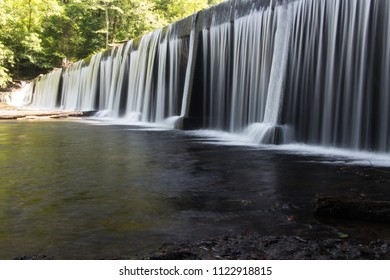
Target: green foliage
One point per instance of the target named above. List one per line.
(21, 32)
(173, 10)
(36, 35)
(6, 59)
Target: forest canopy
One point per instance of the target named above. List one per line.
(38, 35)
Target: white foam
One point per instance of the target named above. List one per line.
(337, 155)
(328, 155)
(221, 137)
(104, 119)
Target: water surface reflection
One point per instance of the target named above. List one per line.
(73, 190)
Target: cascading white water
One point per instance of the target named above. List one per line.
(80, 85)
(155, 86)
(189, 70)
(309, 71)
(46, 90)
(264, 132)
(244, 80)
(337, 90)
(142, 62)
(250, 65)
(216, 74)
(71, 89)
(105, 84)
(23, 96)
(384, 89)
(113, 80)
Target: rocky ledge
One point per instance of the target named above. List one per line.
(25, 114)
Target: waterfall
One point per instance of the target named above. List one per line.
(265, 131)
(46, 90)
(307, 71)
(155, 86)
(113, 80)
(22, 97)
(337, 85)
(244, 72)
(216, 49)
(80, 84)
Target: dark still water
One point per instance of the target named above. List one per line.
(75, 190)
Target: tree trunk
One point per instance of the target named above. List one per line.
(29, 16)
(107, 26)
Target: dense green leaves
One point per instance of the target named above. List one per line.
(21, 33)
(37, 35)
(6, 59)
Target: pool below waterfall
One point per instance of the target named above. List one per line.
(87, 190)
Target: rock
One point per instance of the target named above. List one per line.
(253, 246)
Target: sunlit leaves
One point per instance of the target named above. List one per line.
(6, 58)
(38, 34)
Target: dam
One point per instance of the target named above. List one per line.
(305, 71)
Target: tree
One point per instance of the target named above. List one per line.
(174, 10)
(21, 31)
(6, 54)
(6, 59)
(36, 35)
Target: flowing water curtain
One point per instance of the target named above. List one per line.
(71, 86)
(114, 75)
(22, 97)
(46, 90)
(162, 76)
(172, 63)
(337, 93)
(81, 84)
(179, 53)
(267, 131)
(246, 100)
(141, 78)
(216, 74)
(156, 76)
(383, 39)
(105, 80)
(238, 63)
(90, 84)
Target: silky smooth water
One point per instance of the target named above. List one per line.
(86, 190)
